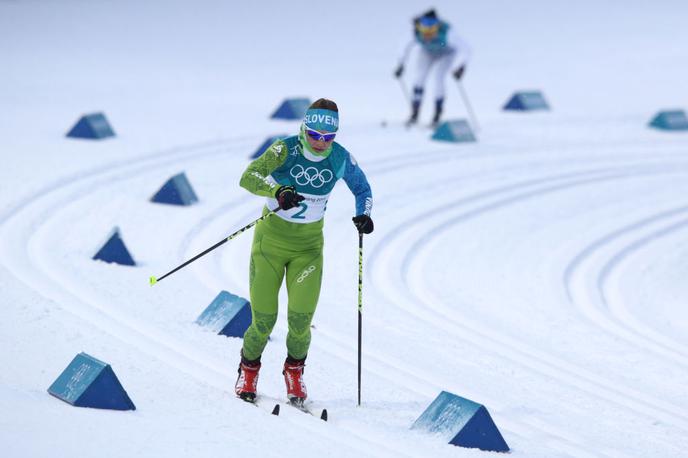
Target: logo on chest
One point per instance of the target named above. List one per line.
(311, 176)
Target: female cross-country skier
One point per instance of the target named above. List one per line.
(439, 46)
(297, 175)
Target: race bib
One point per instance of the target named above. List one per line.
(310, 210)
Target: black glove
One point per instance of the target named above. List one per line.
(363, 223)
(399, 71)
(287, 197)
(458, 73)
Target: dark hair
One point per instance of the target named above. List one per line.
(325, 104)
(431, 14)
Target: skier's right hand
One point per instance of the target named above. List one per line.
(287, 197)
(363, 223)
(399, 71)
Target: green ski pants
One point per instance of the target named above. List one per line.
(280, 249)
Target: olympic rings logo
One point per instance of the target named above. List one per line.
(311, 175)
(305, 273)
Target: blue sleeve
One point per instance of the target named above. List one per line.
(356, 180)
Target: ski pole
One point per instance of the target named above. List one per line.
(471, 114)
(360, 308)
(153, 280)
(403, 89)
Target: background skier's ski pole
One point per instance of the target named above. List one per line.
(403, 89)
(469, 108)
(360, 308)
(153, 280)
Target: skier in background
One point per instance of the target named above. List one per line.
(296, 175)
(439, 46)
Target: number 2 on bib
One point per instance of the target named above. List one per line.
(299, 214)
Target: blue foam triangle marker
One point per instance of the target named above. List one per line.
(670, 120)
(89, 382)
(114, 250)
(106, 392)
(293, 108)
(480, 432)
(266, 144)
(92, 126)
(454, 131)
(527, 101)
(228, 314)
(461, 422)
(176, 191)
(237, 326)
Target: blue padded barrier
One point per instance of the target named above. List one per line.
(293, 108)
(114, 250)
(88, 382)
(462, 422)
(670, 120)
(93, 126)
(454, 131)
(176, 191)
(228, 315)
(527, 101)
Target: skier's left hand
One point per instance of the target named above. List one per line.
(363, 223)
(399, 71)
(458, 73)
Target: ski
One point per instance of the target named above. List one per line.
(261, 402)
(257, 403)
(299, 404)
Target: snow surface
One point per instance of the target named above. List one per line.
(540, 272)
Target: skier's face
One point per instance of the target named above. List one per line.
(427, 36)
(319, 141)
(319, 145)
(428, 32)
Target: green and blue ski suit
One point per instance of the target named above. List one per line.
(290, 242)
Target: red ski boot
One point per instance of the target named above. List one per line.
(293, 378)
(247, 382)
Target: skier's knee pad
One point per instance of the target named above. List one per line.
(417, 94)
(300, 323)
(263, 322)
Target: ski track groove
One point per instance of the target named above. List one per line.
(166, 153)
(204, 274)
(624, 325)
(509, 345)
(380, 360)
(148, 338)
(468, 327)
(119, 171)
(617, 307)
(89, 308)
(614, 171)
(100, 313)
(565, 442)
(452, 318)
